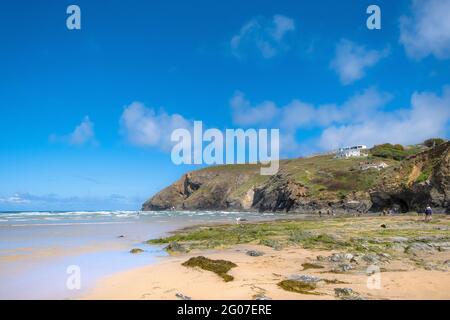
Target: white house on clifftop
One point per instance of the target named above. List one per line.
(348, 152)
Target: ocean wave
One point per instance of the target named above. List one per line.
(65, 224)
(103, 215)
(65, 215)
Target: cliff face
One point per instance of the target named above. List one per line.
(314, 184)
(422, 180)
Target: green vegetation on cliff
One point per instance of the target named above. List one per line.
(396, 152)
(389, 177)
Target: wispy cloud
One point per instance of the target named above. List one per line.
(264, 37)
(14, 199)
(361, 119)
(245, 114)
(428, 116)
(297, 115)
(81, 135)
(25, 201)
(144, 126)
(351, 60)
(426, 31)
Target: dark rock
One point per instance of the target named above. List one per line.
(176, 247)
(418, 247)
(136, 251)
(398, 239)
(346, 267)
(440, 246)
(341, 257)
(305, 278)
(182, 296)
(254, 253)
(337, 257)
(371, 258)
(348, 256)
(347, 294)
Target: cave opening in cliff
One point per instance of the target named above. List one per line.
(400, 205)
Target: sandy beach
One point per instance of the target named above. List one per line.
(258, 276)
(37, 248)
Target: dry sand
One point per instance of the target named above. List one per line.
(260, 275)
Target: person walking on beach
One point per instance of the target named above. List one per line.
(428, 213)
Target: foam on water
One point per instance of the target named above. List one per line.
(36, 247)
(49, 217)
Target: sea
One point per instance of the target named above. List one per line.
(63, 254)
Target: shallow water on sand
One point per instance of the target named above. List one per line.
(37, 248)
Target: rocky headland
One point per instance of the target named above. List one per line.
(390, 177)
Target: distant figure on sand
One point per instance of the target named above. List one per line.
(428, 213)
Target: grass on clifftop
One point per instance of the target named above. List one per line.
(363, 234)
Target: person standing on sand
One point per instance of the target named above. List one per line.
(428, 213)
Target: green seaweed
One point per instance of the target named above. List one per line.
(298, 286)
(219, 267)
(308, 265)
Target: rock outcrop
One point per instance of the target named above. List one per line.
(423, 179)
(318, 184)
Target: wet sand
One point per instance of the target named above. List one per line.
(258, 276)
(37, 248)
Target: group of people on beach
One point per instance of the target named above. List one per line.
(328, 212)
(428, 212)
(385, 212)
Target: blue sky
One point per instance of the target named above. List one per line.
(86, 114)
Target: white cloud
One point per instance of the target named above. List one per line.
(352, 60)
(428, 116)
(360, 106)
(297, 115)
(244, 114)
(14, 199)
(427, 30)
(28, 201)
(361, 119)
(145, 127)
(265, 37)
(82, 134)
